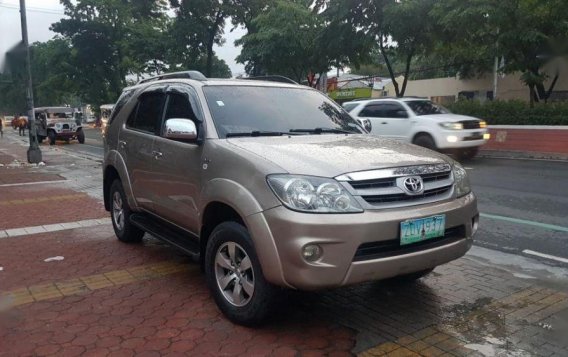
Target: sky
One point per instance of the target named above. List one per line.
(42, 13)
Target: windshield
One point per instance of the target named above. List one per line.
(246, 109)
(426, 107)
(349, 106)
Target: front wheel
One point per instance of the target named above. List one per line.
(234, 275)
(426, 141)
(120, 213)
(467, 154)
(51, 135)
(81, 137)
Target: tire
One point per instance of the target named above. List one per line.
(426, 141)
(120, 215)
(255, 303)
(81, 136)
(409, 278)
(52, 137)
(467, 154)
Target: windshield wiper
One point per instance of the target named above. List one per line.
(322, 131)
(255, 133)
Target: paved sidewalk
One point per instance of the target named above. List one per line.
(68, 288)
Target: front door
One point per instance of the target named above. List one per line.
(136, 143)
(178, 164)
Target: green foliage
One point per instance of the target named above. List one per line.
(286, 42)
(514, 112)
(526, 33)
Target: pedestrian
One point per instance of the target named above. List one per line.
(1, 127)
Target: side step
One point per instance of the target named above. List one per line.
(176, 237)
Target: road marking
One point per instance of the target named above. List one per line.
(527, 222)
(547, 256)
(26, 231)
(31, 183)
(85, 284)
(42, 199)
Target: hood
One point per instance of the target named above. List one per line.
(448, 117)
(333, 155)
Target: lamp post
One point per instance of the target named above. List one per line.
(34, 152)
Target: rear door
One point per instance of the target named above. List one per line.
(136, 143)
(178, 164)
(388, 119)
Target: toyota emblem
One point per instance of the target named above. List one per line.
(413, 185)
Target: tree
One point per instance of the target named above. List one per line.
(526, 33)
(399, 28)
(243, 12)
(101, 32)
(285, 42)
(202, 23)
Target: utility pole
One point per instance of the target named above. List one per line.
(495, 77)
(34, 152)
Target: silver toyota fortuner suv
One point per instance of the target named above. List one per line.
(273, 185)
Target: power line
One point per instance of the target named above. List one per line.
(34, 9)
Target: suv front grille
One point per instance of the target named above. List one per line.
(470, 124)
(404, 197)
(392, 247)
(379, 188)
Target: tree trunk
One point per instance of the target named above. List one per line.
(211, 42)
(531, 94)
(389, 67)
(406, 73)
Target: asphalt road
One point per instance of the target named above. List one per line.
(523, 203)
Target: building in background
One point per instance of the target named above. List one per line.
(448, 90)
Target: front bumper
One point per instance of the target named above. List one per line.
(341, 235)
(457, 139)
(65, 134)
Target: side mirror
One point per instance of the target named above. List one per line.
(180, 129)
(366, 123)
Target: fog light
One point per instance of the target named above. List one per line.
(486, 136)
(312, 252)
(474, 225)
(452, 139)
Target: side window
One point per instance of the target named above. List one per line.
(148, 113)
(394, 110)
(372, 111)
(179, 107)
(122, 100)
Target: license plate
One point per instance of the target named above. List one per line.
(417, 230)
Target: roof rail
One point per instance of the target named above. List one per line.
(184, 74)
(273, 78)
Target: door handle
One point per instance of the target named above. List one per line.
(157, 154)
(384, 122)
(122, 144)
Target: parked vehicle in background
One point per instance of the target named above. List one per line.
(419, 121)
(273, 185)
(106, 110)
(58, 123)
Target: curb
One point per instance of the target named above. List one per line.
(522, 155)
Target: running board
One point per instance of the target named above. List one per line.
(176, 237)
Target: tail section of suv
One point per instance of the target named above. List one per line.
(273, 185)
(421, 122)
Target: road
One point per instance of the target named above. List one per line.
(523, 203)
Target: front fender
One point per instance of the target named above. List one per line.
(245, 204)
(114, 159)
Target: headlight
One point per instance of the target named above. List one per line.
(312, 194)
(461, 180)
(452, 125)
(483, 124)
